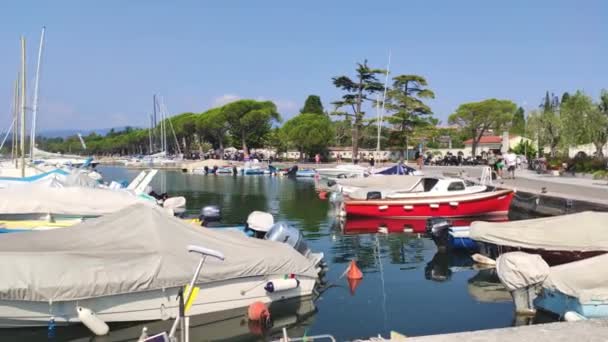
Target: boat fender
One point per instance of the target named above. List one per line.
(51, 328)
(482, 259)
(573, 316)
(258, 311)
(282, 285)
(92, 321)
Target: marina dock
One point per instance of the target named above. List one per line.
(590, 330)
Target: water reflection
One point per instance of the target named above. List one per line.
(486, 287)
(443, 264)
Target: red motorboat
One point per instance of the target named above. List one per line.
(429, 197)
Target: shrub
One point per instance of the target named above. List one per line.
(600, 174)
(587, 164)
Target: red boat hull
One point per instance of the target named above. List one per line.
(469, 205)
(364, 225)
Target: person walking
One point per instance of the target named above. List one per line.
(500, 164)
(317, 158)
(511, 163)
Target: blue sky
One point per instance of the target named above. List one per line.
(105, 59)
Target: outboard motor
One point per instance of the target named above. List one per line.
(437, 228)
(292, 171)
(282, 232)
(259, 223)
(210, 216)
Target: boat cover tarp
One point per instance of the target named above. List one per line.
(136, 249)
(38, 153)
(586, 231)
(359, 187)
(586, 279)
(518, 270)
(36, 199)
(398, 169)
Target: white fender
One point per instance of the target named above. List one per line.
(91, 321)
(278, 285)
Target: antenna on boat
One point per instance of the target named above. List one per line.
(35, 105)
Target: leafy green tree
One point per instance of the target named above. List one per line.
(518, 124)
(310, 133)
(184, 126)
(357, 92)
(249, 120)
(546, 125)
(342, 130)
(476, 118)
(408, 110)
(276, 140)
(565, 97)
(586, 122)
(213, 127)
(313, 105)
(525, 148)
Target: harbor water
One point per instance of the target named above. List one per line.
(407, 286)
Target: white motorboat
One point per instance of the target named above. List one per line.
(343, 171)
(130, 266)
(44, 202)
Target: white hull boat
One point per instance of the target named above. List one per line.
(130, 266)
(151, 305)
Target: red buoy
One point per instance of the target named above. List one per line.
(353, 271)
(258, 311)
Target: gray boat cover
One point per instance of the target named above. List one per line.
(586, 231)
(39, 199)
(586, 279)
(136, 249)
(518, 270)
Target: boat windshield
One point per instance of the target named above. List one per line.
(429, 183)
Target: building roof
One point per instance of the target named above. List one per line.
(489, 139)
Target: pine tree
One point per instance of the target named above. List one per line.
(312, 105)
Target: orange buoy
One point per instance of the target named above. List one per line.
(353, 271)
(258, 311)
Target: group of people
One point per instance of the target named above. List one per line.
(509, 162)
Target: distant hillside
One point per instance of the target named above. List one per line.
(63, 133)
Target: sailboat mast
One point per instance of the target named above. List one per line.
(154, 121)
(15, 121)
(35, 105)
(22, 149)
(150, 134)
